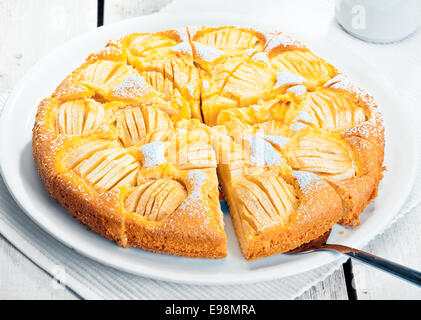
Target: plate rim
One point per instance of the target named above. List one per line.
(263, 274)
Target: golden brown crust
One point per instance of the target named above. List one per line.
(367, 141)
(358, 192)
(182, 234)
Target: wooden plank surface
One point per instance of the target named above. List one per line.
(29, 29)
(332, 288)
(401, 244)
(116, 10)
(22, 279)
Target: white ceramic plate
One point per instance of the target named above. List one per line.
(22, 180)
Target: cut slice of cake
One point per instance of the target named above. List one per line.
(273, 208)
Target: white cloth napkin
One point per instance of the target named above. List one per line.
(92, 280)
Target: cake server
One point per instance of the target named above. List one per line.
(394, 268)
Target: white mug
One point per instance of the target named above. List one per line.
(379, 20)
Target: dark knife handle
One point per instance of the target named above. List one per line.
(398, 270)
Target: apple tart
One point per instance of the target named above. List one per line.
(137, 142)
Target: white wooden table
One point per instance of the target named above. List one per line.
(30, 28)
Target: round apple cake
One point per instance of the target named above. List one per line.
(137, 142)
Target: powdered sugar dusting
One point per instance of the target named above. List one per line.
(285, 78)
(277, 140)
(372, 127)
(261, 56)
(250, 51)
(134, 86)
(262, 152)
(192, 30)
(281, 40)
(183, 47)
(297, 126)
(182, 33)
(197, 179)
(256, 107)
(107, 51)
(298, 90)
(191, 89)
(206, 53)
(304, 117)
(342, 82)
(154, 153)
(305, 179)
